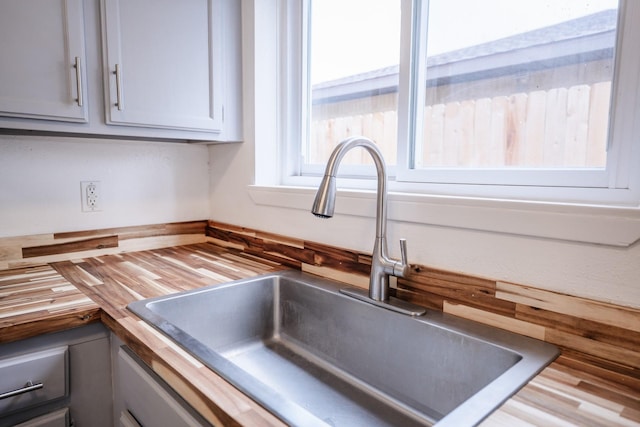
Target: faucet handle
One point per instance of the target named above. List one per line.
(402, 268)
(403, 252)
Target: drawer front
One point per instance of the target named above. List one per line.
(59, 418)
(33, 378)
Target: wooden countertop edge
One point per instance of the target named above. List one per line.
(218, 401)
(26, 327)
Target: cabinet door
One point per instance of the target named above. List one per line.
(42, 72)
(142, 398)
(159, 62)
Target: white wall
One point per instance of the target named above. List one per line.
(141, 183)
(600, 272)
(605, 273)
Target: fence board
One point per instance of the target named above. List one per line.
(534, 128)
(496, 145)
(555, 127)
(575, 149)
(600, 102)
(516, 134)
(482, 129)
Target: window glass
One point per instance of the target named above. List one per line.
(516, 84)
(507, 84)
(353, 57)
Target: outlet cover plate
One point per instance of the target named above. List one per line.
(91, 196)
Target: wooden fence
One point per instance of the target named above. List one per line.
(562, 127)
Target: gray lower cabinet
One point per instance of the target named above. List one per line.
(142, 398)
(85, 377)
(56, 380)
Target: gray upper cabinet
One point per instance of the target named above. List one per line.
(42, 70)
(161, 69)
(163, 58)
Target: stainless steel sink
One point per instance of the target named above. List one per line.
(313, 356)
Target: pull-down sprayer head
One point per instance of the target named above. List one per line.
(325, 200)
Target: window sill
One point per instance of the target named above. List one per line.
(604, 225)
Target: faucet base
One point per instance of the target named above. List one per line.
(393, 304)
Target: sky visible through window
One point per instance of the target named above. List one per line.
(356, 36)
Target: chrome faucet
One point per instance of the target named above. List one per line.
(381, 265)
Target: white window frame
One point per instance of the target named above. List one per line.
(612, 185)
(605, 214)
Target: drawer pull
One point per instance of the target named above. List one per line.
(78, 68)
(26, 389)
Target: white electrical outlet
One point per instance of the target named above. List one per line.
(91, 196)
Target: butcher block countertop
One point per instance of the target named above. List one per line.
(61, 295)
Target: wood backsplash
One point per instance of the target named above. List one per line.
(24, 251)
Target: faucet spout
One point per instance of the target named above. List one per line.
(323, 206)
(324, 203)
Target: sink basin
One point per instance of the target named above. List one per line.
(313, 356)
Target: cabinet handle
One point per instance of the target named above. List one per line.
(26, 389)
(78, 67)
(118, 73)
